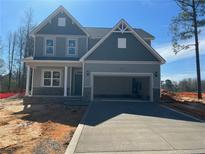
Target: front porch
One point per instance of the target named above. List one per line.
(54, 79)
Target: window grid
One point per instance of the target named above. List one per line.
(49, 46)
(72, 47)
(52, 79)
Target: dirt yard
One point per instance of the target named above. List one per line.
(186, 102)
(38, 129)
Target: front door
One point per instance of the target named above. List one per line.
(78, 84)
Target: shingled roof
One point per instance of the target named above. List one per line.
(99, 32)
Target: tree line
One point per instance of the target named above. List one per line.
(188, 85)
(15, 47)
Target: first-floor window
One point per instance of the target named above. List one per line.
(51, 78)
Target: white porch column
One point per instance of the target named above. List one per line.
(32, 81)
(65, 80)
(70, 92)
(27, 79)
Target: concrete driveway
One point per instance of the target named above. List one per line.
(128, 127)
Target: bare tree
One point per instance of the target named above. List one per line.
(20, 44)
(11, 49)
(28, 44)
(28, 20)
(2, 63)
(9, 58)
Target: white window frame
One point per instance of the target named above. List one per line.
(67, 47)
(45, 44)
(51, 70)
(61, 21)
(122, 43)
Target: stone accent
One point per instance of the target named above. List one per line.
(86, 94)
(156, 95)
(70, 100)
(56, 91)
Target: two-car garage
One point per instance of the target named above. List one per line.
(122, 86)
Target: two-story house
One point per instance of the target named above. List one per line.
(94, 63)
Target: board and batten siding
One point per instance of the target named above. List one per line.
(52, 27)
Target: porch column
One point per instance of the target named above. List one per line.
(65, 80)
(70, 92)
(27, 80)
(32, 80)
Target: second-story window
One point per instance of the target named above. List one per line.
(72, 47)
(49, 46)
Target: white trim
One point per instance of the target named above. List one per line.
(61, 35)
(93, 74)
(51, 70)
(76, 47)
(51, 61)
(32, 81)
(65, 80)
(30, 60)
(70, 92)
(154, 53)
(45, 45)
(27, 80)
(83, 77)
(34, 47)
(58, 10)
(119, 62)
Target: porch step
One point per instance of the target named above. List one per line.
(71, 100)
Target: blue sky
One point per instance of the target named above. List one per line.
(153, 16)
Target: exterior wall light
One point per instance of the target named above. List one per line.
(87, 73)
(156, 74)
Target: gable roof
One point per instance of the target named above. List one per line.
(99, 32)
(131, 30)
(58, 10)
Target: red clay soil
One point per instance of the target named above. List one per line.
(188, 94)
(37, 129)
(181, 97)
(186, 102)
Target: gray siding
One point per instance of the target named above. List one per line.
(82, 46)
(60, 46)
(38, 75)
(39, 46)
(133, 68)
(135, 50)
(53, 28)
(92, 42)
(57, 91)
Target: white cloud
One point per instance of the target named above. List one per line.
(166, 51)
(178, 77)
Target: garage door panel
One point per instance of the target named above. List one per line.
(122, 87)
(112, 86)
